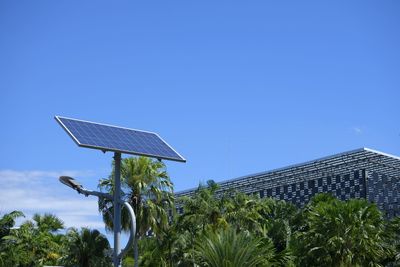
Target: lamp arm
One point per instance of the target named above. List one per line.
(87, 192)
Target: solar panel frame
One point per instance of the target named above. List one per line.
(82, 142)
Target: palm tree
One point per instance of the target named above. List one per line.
(267, 219)
(244, 211)
(339, 233)
(87, 248)
(201, 212)
(48, 222)
(226, 248)
(48, 243)
(23, 246)
(148, 189)
(35, 242)
(392, 232)
(279, 221)
(7, 221)
(203, 209)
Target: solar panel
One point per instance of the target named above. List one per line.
(118, 139)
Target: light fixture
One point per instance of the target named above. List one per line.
(74, 184)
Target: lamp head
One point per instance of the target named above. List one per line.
(71, 182)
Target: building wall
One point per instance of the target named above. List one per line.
(384, 190)
(379, 188)
(343, 186)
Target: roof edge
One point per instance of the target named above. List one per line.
(298, 165)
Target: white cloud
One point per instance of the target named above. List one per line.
(357, 130)
(10, 177)
(40, 192)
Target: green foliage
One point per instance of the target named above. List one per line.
(226, 248)
(87, 248)
(8, 221)
(38, 242)
(326, 232)
(128, 262)
(34, 243)
(338, 233)
(147, 188)
(392, 242)
(207, 214)
(7, 255)
(215, 229)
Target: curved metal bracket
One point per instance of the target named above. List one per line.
(132, 228)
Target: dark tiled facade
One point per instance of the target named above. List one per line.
(362, 173)
(384, 190)
(343, 186)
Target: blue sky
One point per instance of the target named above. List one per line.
(236, 87)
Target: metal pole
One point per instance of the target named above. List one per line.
(117, 208)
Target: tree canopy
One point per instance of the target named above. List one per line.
(210, 229)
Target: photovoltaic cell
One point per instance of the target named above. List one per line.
(118, 139)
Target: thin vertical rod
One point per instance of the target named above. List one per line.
(117, 208)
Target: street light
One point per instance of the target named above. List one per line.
(118, 140)
(72, 183)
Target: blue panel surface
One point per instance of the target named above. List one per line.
(118, 139)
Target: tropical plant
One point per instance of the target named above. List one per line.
(392, 238)
(87, 248)
(226, 248)
(200, 212)
(207, 211)
(339, 233)
(280, 221)
(148, 189)
(170, 248)
(36, 242)
(7, 222)
(47, 240)
(47, 223)
(243, 211)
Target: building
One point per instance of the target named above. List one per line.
(360, 173)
